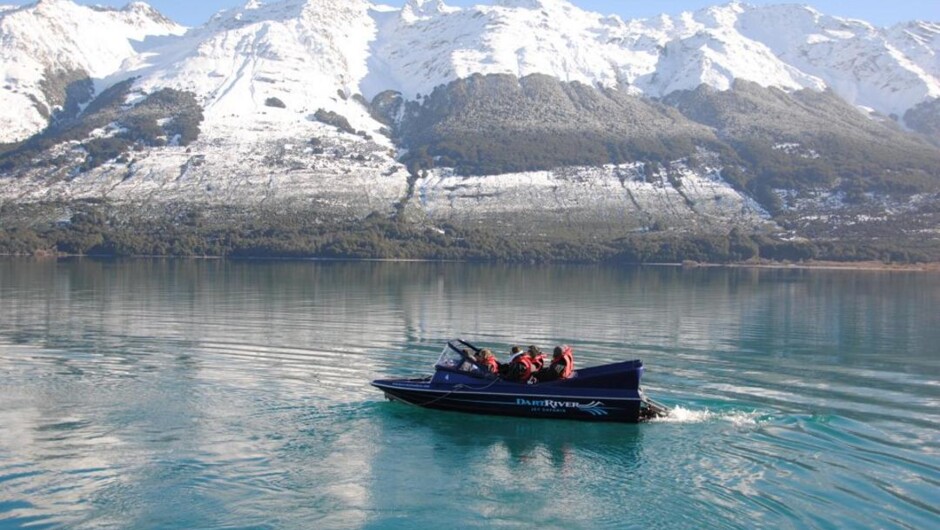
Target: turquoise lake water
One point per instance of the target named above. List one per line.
(214, 394)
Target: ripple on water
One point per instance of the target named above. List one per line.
(237, 394)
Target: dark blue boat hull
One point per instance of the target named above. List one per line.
(606, 393)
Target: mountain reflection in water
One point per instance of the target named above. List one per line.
(179, 394)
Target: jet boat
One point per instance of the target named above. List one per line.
(609, 392)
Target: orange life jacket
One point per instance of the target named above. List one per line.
(568, 357)
(489, 364)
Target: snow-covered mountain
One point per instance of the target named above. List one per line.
(48, 45)
(304, 51)
(703, 121)
(786, 46)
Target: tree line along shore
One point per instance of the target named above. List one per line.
(190, 234)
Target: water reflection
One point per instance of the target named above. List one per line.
(238, 393)
(496, 469)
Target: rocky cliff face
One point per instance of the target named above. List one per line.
(530, 118)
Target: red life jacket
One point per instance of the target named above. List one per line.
(568, 357)
(538, 362)
(526, 362)
(490, 365)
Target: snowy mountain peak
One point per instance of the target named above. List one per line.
(143, 9)
(139, 7)
(51, 7)
(721, 15)
(415, 10)
(142, 14)
(425, 6)
(536, 4)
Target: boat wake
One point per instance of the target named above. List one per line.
(679, 414)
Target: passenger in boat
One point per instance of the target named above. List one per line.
(469, 360)
(538, 358)
(506, 369)
(523, 366)
(561, 367)
(488, 361)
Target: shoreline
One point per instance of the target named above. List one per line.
(874, 266)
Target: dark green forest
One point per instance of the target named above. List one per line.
(92, 230)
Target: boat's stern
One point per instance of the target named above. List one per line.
(651, 410)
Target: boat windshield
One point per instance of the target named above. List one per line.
(458, 355)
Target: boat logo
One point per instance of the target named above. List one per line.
(594, 408)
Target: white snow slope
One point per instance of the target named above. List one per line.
(310, 55)
(56, 36)
(307, 52)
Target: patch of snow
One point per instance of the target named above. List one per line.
(108, 131)
(351, 178)
(584, 198)
(796, 149)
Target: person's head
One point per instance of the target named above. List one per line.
(515, 350)
(485, 353)
(534, 351)
(557, 352)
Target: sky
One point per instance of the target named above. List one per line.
(878, 12)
